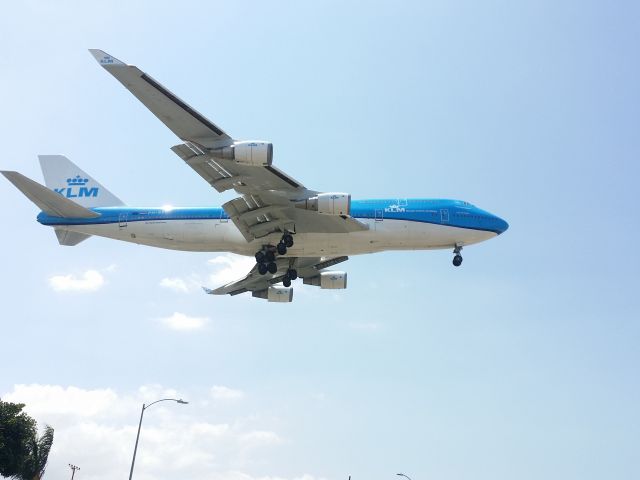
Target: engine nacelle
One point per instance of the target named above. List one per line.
(280, 294)
(331, 203)
(334, 203)
(275, 294)
(332, 280)
(251, 152)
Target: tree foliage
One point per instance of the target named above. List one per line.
(36, 460)
(23, 454)
(16, 428)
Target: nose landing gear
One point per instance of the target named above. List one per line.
(457, 259)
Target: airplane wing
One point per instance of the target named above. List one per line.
(268, 195)
(183, 120)
(254, 282)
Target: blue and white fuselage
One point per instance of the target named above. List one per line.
(405, 224)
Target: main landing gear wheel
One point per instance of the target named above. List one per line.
(260, 257)
(282, 248)
(292, 274)
(272, 267)
(286, 281)
(262, 268)
(287, 239)
(270, 256)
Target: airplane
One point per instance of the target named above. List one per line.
(292, 231)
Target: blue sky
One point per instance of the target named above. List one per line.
(521, 363)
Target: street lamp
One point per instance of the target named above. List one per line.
(144, 407)
(403, 475)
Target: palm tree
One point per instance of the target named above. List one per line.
(36, 461)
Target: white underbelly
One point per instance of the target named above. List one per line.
(223, 236)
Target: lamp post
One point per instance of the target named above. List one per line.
(144, 407)
(403, 475)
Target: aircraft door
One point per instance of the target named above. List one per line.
(444, 215)
(122, 221)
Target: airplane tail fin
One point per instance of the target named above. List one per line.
(67, 179)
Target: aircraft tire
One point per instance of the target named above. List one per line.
(282, 249)
(262, 268)
(293, 274)
(270, 256)
(260, 257)
(288, 240)
(457, 260)
(272, 267)
(286, 281)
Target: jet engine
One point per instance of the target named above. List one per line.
(251, 152)
(331, 203)
(332, 280)
(276, 294)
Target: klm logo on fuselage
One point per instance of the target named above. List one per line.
(395, 208)
(76, 188)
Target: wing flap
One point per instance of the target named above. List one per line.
(223, 174)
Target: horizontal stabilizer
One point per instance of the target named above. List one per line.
(47, 200)
(69, 238)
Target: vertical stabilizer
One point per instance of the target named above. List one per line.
(64, 177)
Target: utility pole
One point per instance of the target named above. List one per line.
(73, 470)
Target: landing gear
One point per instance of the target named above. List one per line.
(287, 239)
(285, 242)
(291, 274)
(457, 259)
(266, 258)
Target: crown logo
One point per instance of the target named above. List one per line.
(77, 180)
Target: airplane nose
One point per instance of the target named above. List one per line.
(501, 225)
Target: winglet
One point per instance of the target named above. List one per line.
(104, 59)
(207, 290)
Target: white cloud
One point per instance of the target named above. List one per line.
(89, 281)
(96, 429)
(56, 400)
(229, 267)
(175, 284)
(260, 438)
(219, 392)
(184, 323)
